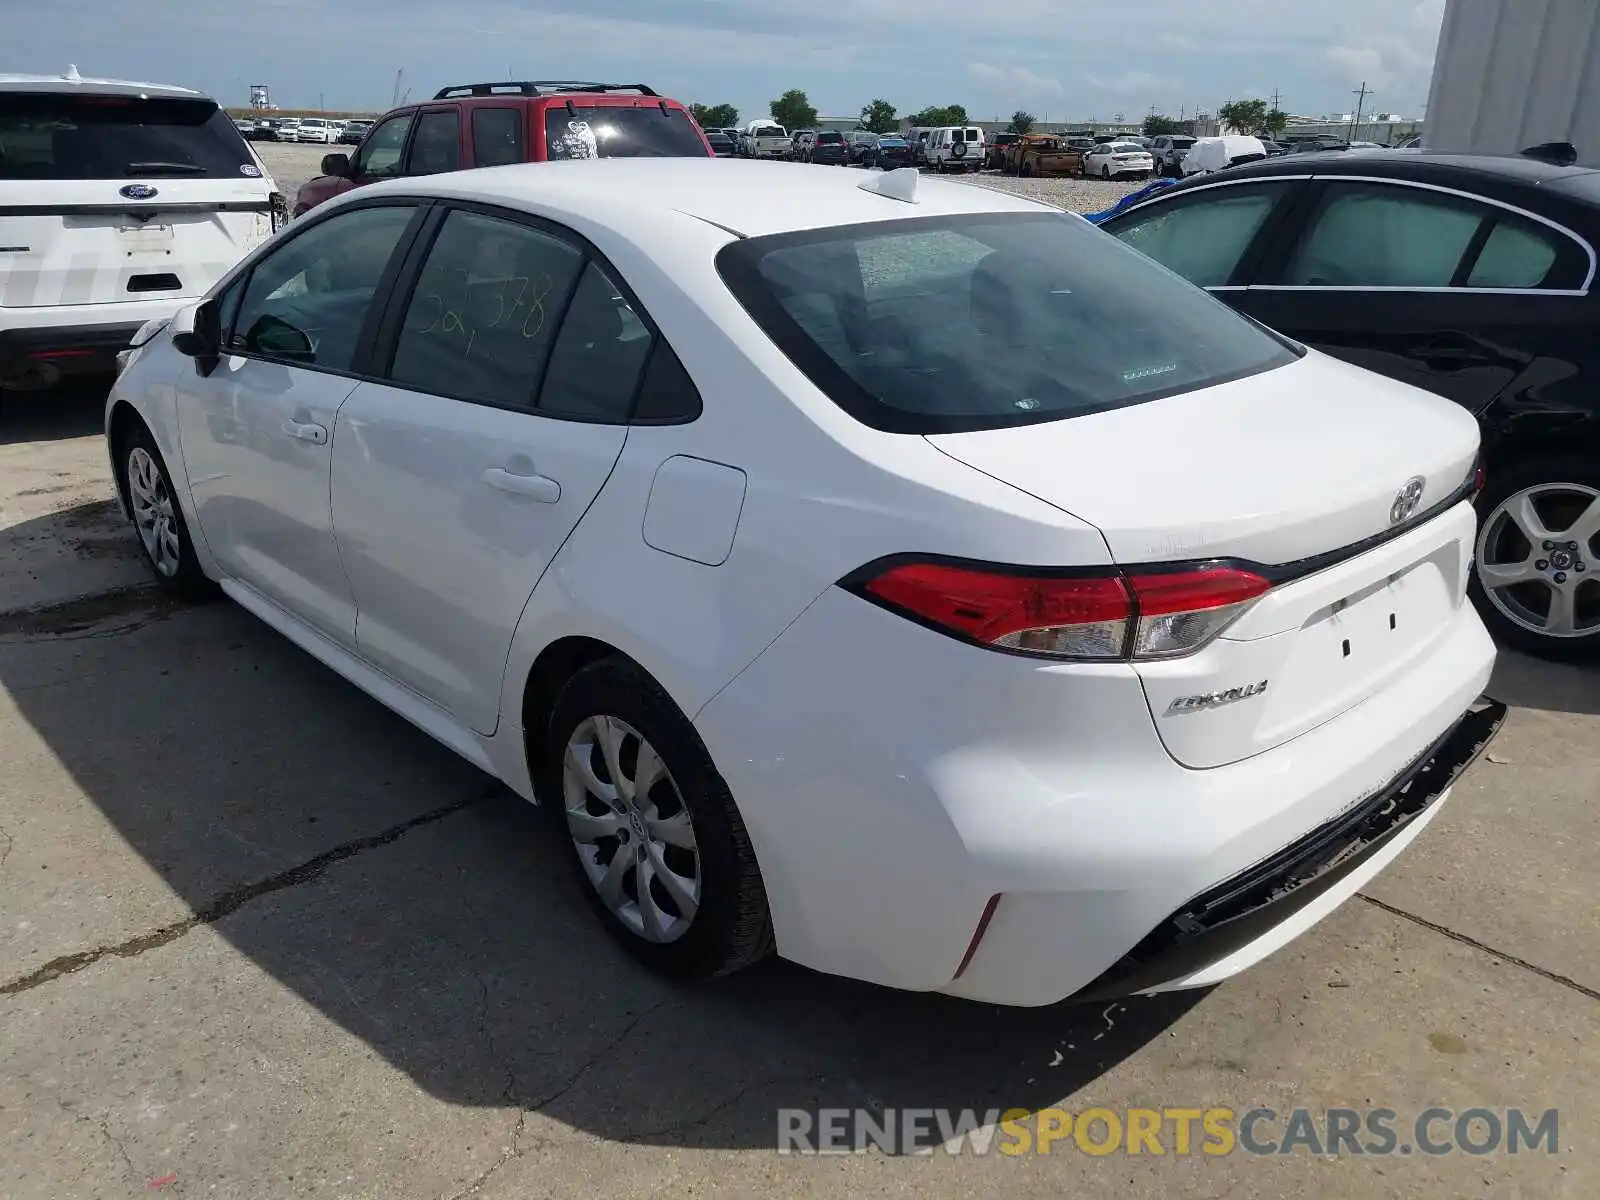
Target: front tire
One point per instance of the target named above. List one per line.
(660, 851)
(158, 519)
(1536, 572)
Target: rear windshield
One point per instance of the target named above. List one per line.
(621, 131)
(830, 137)
(1183, 143)
(45, 135)
(944, 324)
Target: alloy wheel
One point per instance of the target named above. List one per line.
(631, 829)
(1537, 561)
(153, 513)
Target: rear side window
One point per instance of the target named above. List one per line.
(483, 315)
(942, 324)
(621, 131)
(974, 135)
(594, 368)
(437, 146)
(496, 136)
(1203, 236)
(1520, 254)
(46, 135)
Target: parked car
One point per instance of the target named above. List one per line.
(1411, 142)
(1471, 277)
(955, 148)
(493, 124)
(1167, 150)
(1316, 145)
(317, 130)
(890, 152)
(1042, 154)
(1211, 154)
(119, 202)
(765, 139)
(1061, 625)
(994, 155)
(354, 131)
(287, 128)
(721, 144)
(260, 131)
(800, 144)
(828, 148)
(1113, 160)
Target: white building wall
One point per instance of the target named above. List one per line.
(1514, 73)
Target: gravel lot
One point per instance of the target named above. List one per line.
(292, 164)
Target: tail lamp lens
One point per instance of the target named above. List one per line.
(1103, 616)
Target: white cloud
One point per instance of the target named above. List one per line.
(1129, 83)
(1018, 81)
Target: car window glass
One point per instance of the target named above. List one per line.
(307, 300)
(379, 156)
(937, 324)
(617, 131)
(1202, 238)
(666, 393)
(1373, 236)
(594, 367)
(1518, 254)
(484, 312)
(496, 136)
(437, 145)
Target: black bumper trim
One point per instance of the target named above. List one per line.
(20, 348)
(1237, 911)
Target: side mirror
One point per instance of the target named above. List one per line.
(277, 338)
(336, 164)
(197, 332)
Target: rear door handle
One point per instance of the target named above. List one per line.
(307, 431)
(536, 487)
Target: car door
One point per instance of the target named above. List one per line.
(1446, 291)
(256, 431)
(514, 359)
(1211, 235)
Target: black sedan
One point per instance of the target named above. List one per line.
(1473, 277)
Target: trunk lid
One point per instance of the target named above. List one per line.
(84, 242)
(1308, 460)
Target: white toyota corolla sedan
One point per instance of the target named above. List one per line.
(904, 576)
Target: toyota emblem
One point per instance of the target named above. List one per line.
(1407, 499)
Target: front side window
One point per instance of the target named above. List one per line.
(1370, 235)
(485, 311)
(621, 131)
(1203, 236)
(51, 135)
(437, 145)
(379, 157)
(942, 324)
(306, 301)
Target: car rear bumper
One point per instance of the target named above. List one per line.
(36, 357)
(1013, 831)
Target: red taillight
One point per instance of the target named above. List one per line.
(1104, 615)
(1480, 476)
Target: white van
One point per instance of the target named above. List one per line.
(119, 202)
(955, 148)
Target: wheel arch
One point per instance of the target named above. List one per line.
(120, 426)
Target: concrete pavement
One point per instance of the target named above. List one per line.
(258, 938)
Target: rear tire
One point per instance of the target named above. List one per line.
(703, 909)
(1554, 611)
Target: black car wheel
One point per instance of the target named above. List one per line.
(1536, 573)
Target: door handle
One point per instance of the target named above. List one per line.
(307, 431)
(536, 487)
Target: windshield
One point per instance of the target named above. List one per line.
(769, 131)
(621, 131)
(48, 135)
(945, 324)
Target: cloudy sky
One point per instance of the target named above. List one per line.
(1067, 58)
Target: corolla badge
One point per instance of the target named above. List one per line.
(1209, 700)
(1407, 499)
(138, 191)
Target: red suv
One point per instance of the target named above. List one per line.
(493, 124)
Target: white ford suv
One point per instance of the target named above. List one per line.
(118, 202)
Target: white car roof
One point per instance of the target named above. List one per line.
(71, 81)
(747, 198)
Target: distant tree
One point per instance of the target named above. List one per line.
(878, 117)
(1277, 121)
(715, 116)
(1021, 122)
(1155, 125)
(1249, 116)
(793, 110)
(950, 114)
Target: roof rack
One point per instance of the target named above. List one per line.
(538, 87)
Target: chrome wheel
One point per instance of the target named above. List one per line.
(153, 513)
(632, 832)
(1537, 560)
